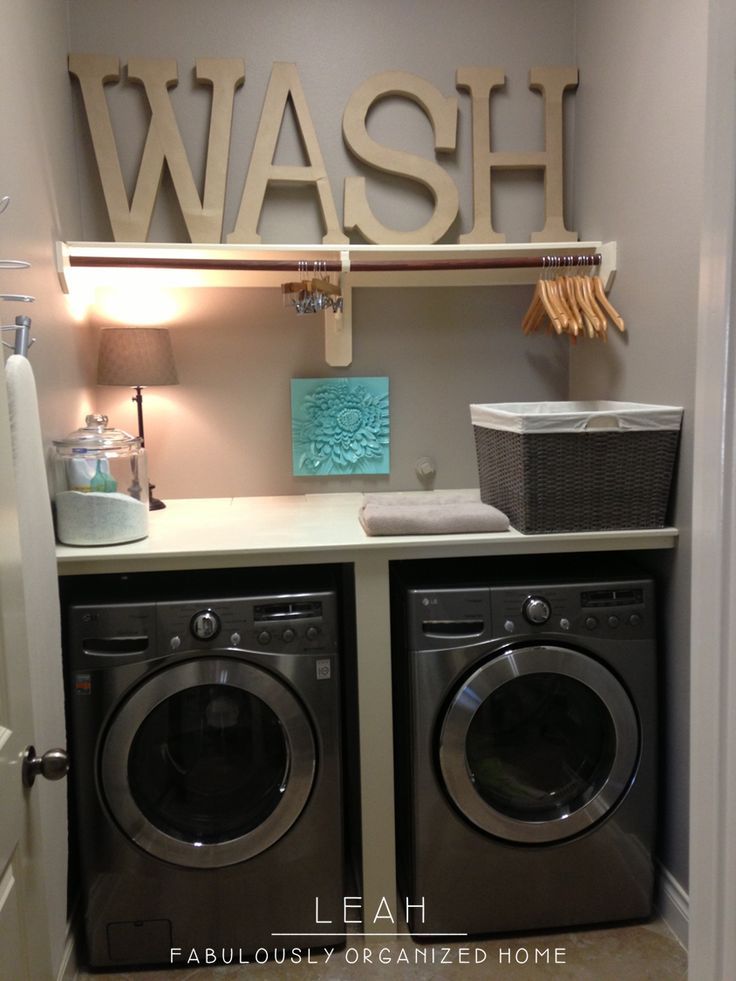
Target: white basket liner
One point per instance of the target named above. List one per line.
(572, 417)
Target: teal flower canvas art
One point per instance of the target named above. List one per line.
(339, 426)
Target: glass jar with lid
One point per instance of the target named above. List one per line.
(100, 486)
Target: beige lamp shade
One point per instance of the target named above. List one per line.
(136, 356)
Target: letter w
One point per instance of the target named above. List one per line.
(130, 221)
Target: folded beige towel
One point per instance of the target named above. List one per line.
(429, 513)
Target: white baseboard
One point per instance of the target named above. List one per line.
(673, 904)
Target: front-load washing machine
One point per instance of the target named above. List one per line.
(206, 744)
(526, 741)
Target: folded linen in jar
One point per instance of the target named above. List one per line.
(429, 513)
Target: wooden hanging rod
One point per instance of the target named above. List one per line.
(329, 265)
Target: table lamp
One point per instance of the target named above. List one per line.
(137, 357)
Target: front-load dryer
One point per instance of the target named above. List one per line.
(206, 742)
(525, 741)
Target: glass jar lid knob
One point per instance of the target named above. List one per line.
(94, 421)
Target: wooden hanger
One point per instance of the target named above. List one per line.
(559, 318)
(600, 295)
(540, 308)
(576, 305)
(594, 321)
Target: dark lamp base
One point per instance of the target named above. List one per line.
(153, 502)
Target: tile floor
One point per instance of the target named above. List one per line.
(646, 952)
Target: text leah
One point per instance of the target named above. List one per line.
(353, 912)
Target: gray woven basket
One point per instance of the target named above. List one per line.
(577, 481)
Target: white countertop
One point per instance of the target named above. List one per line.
(204, 532)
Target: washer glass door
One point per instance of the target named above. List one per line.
(538, 744)
(208, 762)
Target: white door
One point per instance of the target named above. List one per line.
(24, 944)
(712, 934)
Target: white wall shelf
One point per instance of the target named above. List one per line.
(87, 265)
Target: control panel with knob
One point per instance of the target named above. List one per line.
(205, 625)
(536, 610)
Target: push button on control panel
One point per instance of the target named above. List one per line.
(264, 637)
(591, 622)
(288, 635)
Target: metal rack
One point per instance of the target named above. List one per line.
(22, 325)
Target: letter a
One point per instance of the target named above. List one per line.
(130, 222)
(284, 83)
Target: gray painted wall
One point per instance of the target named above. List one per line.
(639, 180)
(225, 430)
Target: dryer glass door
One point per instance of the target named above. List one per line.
(539, 744)
(208, 762)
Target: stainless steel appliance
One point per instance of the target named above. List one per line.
(205, 734)
(526, 752)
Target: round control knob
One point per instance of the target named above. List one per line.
(536, 610)
(205, 625)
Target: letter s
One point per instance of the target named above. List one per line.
(443, 114)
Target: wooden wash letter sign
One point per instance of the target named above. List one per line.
(130, 220)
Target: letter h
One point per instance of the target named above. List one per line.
(552, 83)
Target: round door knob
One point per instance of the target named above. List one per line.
(53, 765)
(205, 625)
(536, 610)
